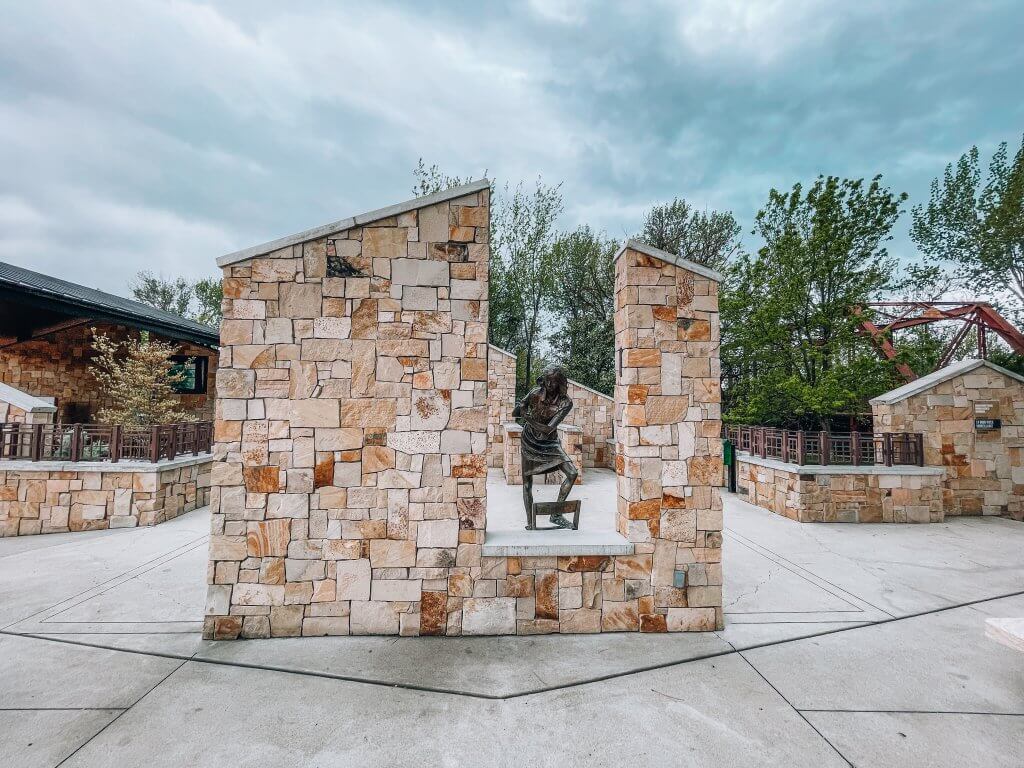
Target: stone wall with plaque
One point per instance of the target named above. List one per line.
(972, 416)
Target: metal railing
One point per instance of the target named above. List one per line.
(825, 448)
(99, 442)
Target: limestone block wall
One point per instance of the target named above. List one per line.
(840, 495)
(593, 412)
(58, 497)
(984, 468)
(349, 494)
(668, 414)
(501, 401)
(57, 366)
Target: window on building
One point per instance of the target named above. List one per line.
(194, 370)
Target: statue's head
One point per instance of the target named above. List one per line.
(554, 382)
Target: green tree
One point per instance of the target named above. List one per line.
(523, 234)
(174, 296)
(708, 238)
(583, 299)
(209, 294)
(791, 352)
(199, 300)
(978, 230)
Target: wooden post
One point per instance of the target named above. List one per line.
(920, 449)
(172, 441)
(855, 448)
(801, 448)
(154, 444)
(115, 443)
(76, 442)
(887, 449)
(764, 443)
(824, 449)
(35, 445)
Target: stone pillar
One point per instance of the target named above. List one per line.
(668, 431)
(349, 489)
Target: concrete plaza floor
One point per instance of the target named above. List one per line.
(845, 645)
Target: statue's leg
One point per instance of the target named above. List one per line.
(569, 470)
(528, 500)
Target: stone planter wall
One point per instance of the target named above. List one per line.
(593, 413)
(813, 494)
(58, 497)
(984, 468)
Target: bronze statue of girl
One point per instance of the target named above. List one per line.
(540, 412)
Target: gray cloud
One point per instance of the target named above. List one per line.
(160, 135)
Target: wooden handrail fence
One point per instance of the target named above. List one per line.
(825, 448)
(103, 442)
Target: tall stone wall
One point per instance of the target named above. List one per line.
(349, 495)
(984, 468)
(57, 366)
(592, 412)
(668, 413)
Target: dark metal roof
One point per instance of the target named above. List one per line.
(61, 296)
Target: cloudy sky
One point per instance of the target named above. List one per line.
(160, 134)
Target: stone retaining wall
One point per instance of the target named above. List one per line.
(812, 494)
(58, 497)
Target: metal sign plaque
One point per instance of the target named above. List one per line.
(983, 425)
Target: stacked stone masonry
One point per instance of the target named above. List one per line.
(668, 444)
(57, 366)
(35, 498)
(592, 412)
(984, 468)
(349, 494)
(810, 495)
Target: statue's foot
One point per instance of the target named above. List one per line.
(559, 521)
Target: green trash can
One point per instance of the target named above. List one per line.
(729, 460)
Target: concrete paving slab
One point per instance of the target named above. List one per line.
(32, 581)
(42, 673)
(710, 713)
(490, 666)
(758, 584)
(939, 662)
(42, 738)
(177, 643)
(901, 569)
(751, 635)
(172, 591)
(917, 740)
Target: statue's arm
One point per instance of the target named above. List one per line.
(560, 414)
(522, 406)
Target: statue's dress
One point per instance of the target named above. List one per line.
(540, 452)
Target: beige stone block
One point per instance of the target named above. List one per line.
(386, 553)
(489, 616)
(374, 618)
